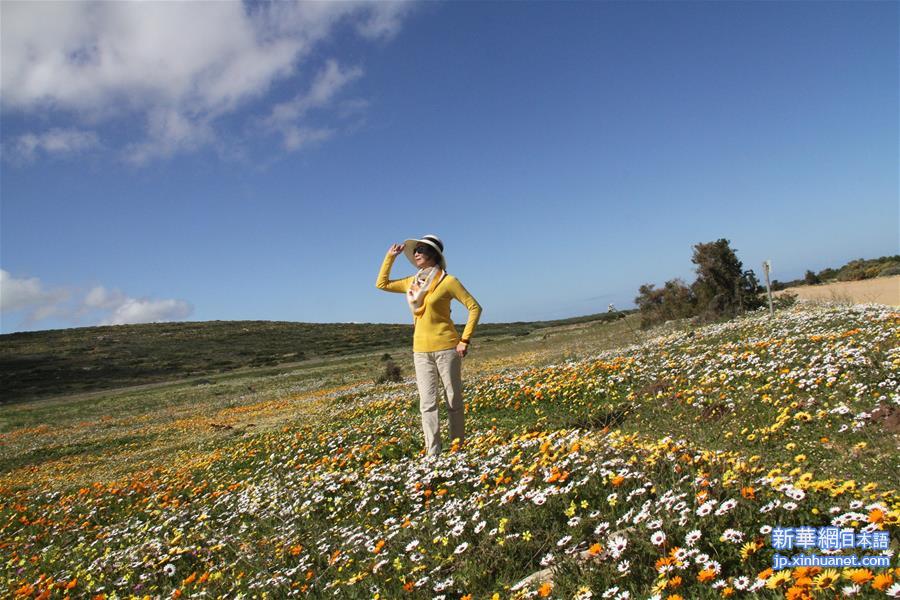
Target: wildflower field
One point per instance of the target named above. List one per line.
(653, 470)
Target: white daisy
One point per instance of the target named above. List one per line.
(705, 508)
(692, 537)
(726, 506)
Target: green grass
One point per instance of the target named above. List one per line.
(256, 479)
(45, 364)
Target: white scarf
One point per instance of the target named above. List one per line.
(419, 288)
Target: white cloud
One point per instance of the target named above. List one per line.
(55, 141)
(100, 297)
(20, 293)
(148, 311)
(298, 137)
(107, 307)
(287, 116)
(178, 66)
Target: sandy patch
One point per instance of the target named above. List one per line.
(882, 290)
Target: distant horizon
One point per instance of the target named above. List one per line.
(622, 308)
(172, 161)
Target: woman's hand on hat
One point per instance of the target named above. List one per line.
(395, 249)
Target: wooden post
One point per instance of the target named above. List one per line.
(767, 265)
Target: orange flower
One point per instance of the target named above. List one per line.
(595, 549)
(662, 562)
(545, 589)
(749, 493)
(765, 574)
(190, 578)
(876, 516)
(617, 480)
(882, 581)
(727, 592)
(860, 576)
(674, 582)
(797, 593)
(674, 597)
(706, 575)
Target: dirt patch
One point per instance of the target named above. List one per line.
(714, 412)
(881, 290)
(888, 417)
(652, 389)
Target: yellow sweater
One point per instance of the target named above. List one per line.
(434, 330)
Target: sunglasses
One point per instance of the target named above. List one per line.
(422, 250)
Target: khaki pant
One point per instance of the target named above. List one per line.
(436, 370)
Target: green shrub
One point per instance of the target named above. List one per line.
(889, 270)
(390, 373)
(785, 300)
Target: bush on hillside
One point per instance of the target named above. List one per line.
(673, 301)
(785, 300)
(391, 373)
(723, 289)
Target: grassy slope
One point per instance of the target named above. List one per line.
(308, 480)
(44, 364)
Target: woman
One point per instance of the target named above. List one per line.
(437, 348)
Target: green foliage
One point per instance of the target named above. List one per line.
(390, 373)
(859, 269)
(41, 364)
(722, 289)
(811, 278)
(674, 301)
(785, 300)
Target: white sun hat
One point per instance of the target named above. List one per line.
(409, 248)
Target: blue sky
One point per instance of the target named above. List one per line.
(202, 161)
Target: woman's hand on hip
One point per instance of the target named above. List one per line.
(462, 349)
(395, 249)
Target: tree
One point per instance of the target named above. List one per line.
(722, 288)
(673, 301)
(811, 278)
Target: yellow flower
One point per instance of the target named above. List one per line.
(776, 580)
(800, 458)
(826, 579)
(860, 576)
(748, 549)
